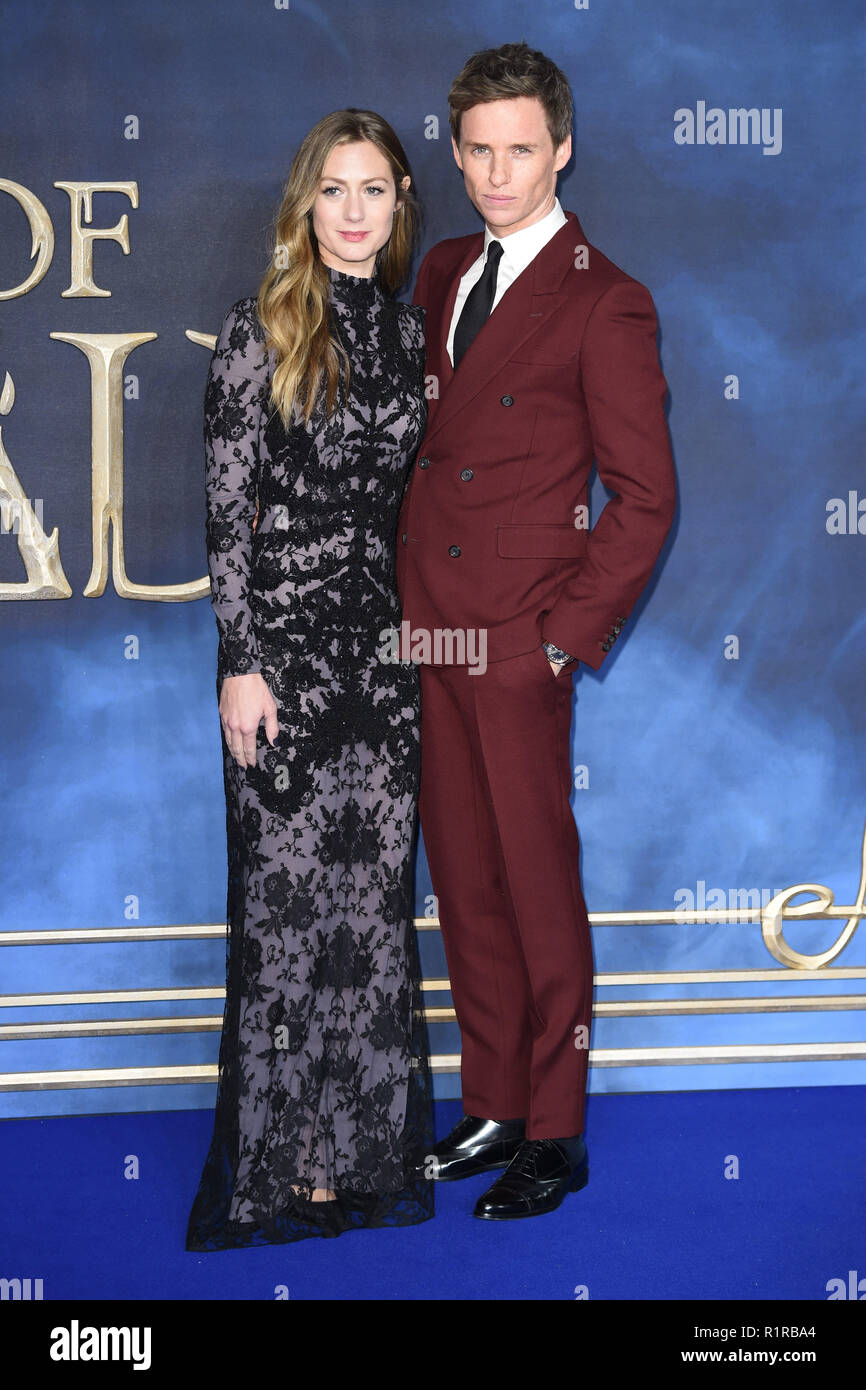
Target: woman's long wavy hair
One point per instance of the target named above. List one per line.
(293, 298)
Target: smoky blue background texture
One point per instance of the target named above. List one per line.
(704, 772)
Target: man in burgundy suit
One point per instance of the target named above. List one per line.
(545, 359)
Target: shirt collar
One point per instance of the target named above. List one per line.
(519, 248)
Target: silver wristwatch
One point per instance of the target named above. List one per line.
(556, 653)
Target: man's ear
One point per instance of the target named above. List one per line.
(456, 153)
(563, 154)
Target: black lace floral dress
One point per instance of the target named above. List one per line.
(323, 1072)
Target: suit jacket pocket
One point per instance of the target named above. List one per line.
(542, 539)
(542, 357)
(548, 348)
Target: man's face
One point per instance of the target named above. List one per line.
(509, 162)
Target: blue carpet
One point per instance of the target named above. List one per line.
(658, 1220)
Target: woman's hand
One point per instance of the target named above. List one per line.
(244, 702)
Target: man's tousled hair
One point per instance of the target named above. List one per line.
(513, 70)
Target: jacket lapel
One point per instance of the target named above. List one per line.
(522, 310)
(438, 321)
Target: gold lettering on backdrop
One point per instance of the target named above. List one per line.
(40, 553)
(106, 353)
(82, 238)
(772, 928)
(41, 236)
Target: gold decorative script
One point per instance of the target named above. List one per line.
(106, 354)
(772, 928)
(40, 553)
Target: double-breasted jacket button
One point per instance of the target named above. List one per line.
(467, 475)
(404, 538)
(507, 400)
(424, 462)
(454, 550)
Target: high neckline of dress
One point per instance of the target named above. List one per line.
(361, 290)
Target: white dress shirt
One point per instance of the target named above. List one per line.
(518, 249)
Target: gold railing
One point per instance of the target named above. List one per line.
(797, 968)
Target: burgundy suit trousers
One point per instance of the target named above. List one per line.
(503, 851)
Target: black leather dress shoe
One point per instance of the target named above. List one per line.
(535, 1181)
(474, 1146)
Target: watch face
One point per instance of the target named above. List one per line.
(556, 653)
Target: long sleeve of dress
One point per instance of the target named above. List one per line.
(411, 318)
(237, 391)
(415, 316)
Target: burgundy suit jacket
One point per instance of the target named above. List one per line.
(565, 371)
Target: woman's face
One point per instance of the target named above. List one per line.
(354, 208)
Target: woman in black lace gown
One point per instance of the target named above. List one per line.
(324, 1105)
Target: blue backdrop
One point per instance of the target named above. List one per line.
(722, 742)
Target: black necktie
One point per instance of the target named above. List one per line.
(479, 302)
